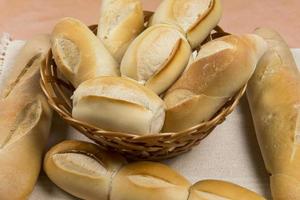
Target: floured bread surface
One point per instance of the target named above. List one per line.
(189, 12)
(148, 181)
(157, 57)
(69, 52)
(155, 50)
(79, 163)
(25, 121)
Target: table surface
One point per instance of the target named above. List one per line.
(23, 19)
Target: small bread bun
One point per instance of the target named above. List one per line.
(79, 54)
(221, 68)
(196, 17)
(220, 190)
(120, 22)
(118, 104)
(149, 181)
(157, 57)
(82, 169)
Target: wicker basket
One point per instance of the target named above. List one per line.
(148, 147)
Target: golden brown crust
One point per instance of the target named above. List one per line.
(72, 174)
(152, 69)
(274, 98)
(25, 119)
(93, 58)
(149, 181)
(214, 189)
(221, 68)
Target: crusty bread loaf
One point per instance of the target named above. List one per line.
(220, 190)
(25, 119)
(149, 181)
(196, 17)
(82, 169)
(87, 172)
(157, 57)
(118, 104)
(274, 98)
(79, 54)
(220, 69)
(120, 22)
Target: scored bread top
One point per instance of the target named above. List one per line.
(79, 54)
(221, 67)
(120, 22)
(118, 88)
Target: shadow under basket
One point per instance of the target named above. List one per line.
(147, 147)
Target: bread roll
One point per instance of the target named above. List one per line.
(120, 22)
(82, 169)
(196, 17)
(149, 181)
(157, 57)
(274, 98)
(87, 172)
(221, 68)
(79, 54)
(220, 190)
(25, 120)
(120, 104)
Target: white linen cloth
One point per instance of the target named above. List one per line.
(229, 153)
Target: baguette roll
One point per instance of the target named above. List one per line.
(157, 57)
(120, 22)
(221, 68)
(79, 54)
(118, 104)
(274, 98)
(220, 190)
(196, 17)
(25, 119)
(149, 181)
(82, 169)
(87, 172)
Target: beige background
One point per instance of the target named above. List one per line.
(23, 18)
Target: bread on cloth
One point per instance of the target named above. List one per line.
(274, 98)
(25, 119)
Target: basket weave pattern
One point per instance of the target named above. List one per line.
(147, 147)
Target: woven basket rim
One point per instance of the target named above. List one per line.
(150, 146)
(219, 114)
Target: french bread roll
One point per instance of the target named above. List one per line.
(79, 54)
(82, 169)
(87, 172)
(221, 68)
(274, 98)
(221, 190)
(149, 181)
(25, 119)
(118, 104)
(120, 22)
(196, 17)
(157, 57)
